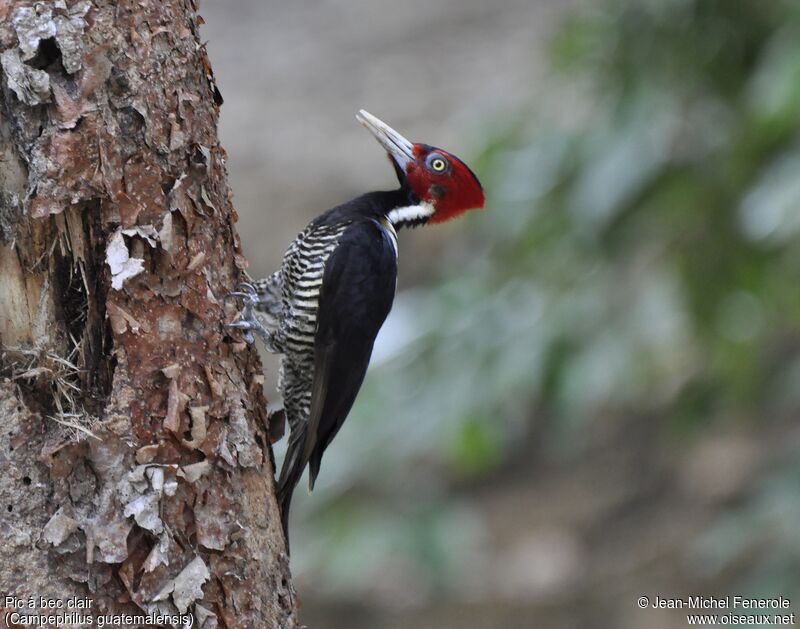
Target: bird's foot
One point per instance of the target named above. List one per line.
(248, 322)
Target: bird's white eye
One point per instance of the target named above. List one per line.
(437, 163)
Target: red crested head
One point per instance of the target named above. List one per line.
(444, 185)
(444, 181)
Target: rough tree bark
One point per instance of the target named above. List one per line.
(136, 465)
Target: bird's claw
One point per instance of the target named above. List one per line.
(248, 323)
(249, 295)
(238, 294)
(246, 291)
(249, 288)
(246, 326)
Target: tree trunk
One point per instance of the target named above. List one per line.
(136, 470)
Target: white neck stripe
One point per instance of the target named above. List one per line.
(410, 213)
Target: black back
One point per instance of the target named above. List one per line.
(358, 285)
(357, 294)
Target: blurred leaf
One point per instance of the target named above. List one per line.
(476, 448)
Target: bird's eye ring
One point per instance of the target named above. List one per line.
(437, 163)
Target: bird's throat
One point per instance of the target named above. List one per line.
(410, 215)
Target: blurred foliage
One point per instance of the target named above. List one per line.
(639, 259)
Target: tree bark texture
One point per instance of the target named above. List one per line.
(136, 463)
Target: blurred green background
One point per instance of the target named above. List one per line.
(588, 392)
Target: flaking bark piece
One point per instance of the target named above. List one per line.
(37, 23)
(159, 555)
(239, 436)
(109, 538)
(194, 472)
(144, 510)
(122, 266)
(196, 262)
(276, 425)
(32, 25)
(59, 528)
(118, 258)
(213, 384)
(199, 427)
(166, 232)
(146, 454)
(202, 615)
(172, 371)
(176, 404)
(121, 320)
(69, 35)
(31, 86)
(187, 587)
(214, 526)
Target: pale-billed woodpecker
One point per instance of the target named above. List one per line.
(322, 310)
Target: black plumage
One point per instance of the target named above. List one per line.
(354, 298)
(322, 311)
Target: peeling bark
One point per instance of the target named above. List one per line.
(137, 466)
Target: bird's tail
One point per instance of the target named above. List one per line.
(292, 470)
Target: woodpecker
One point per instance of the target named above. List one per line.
(323, 308)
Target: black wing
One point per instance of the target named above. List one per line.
(356, 296)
